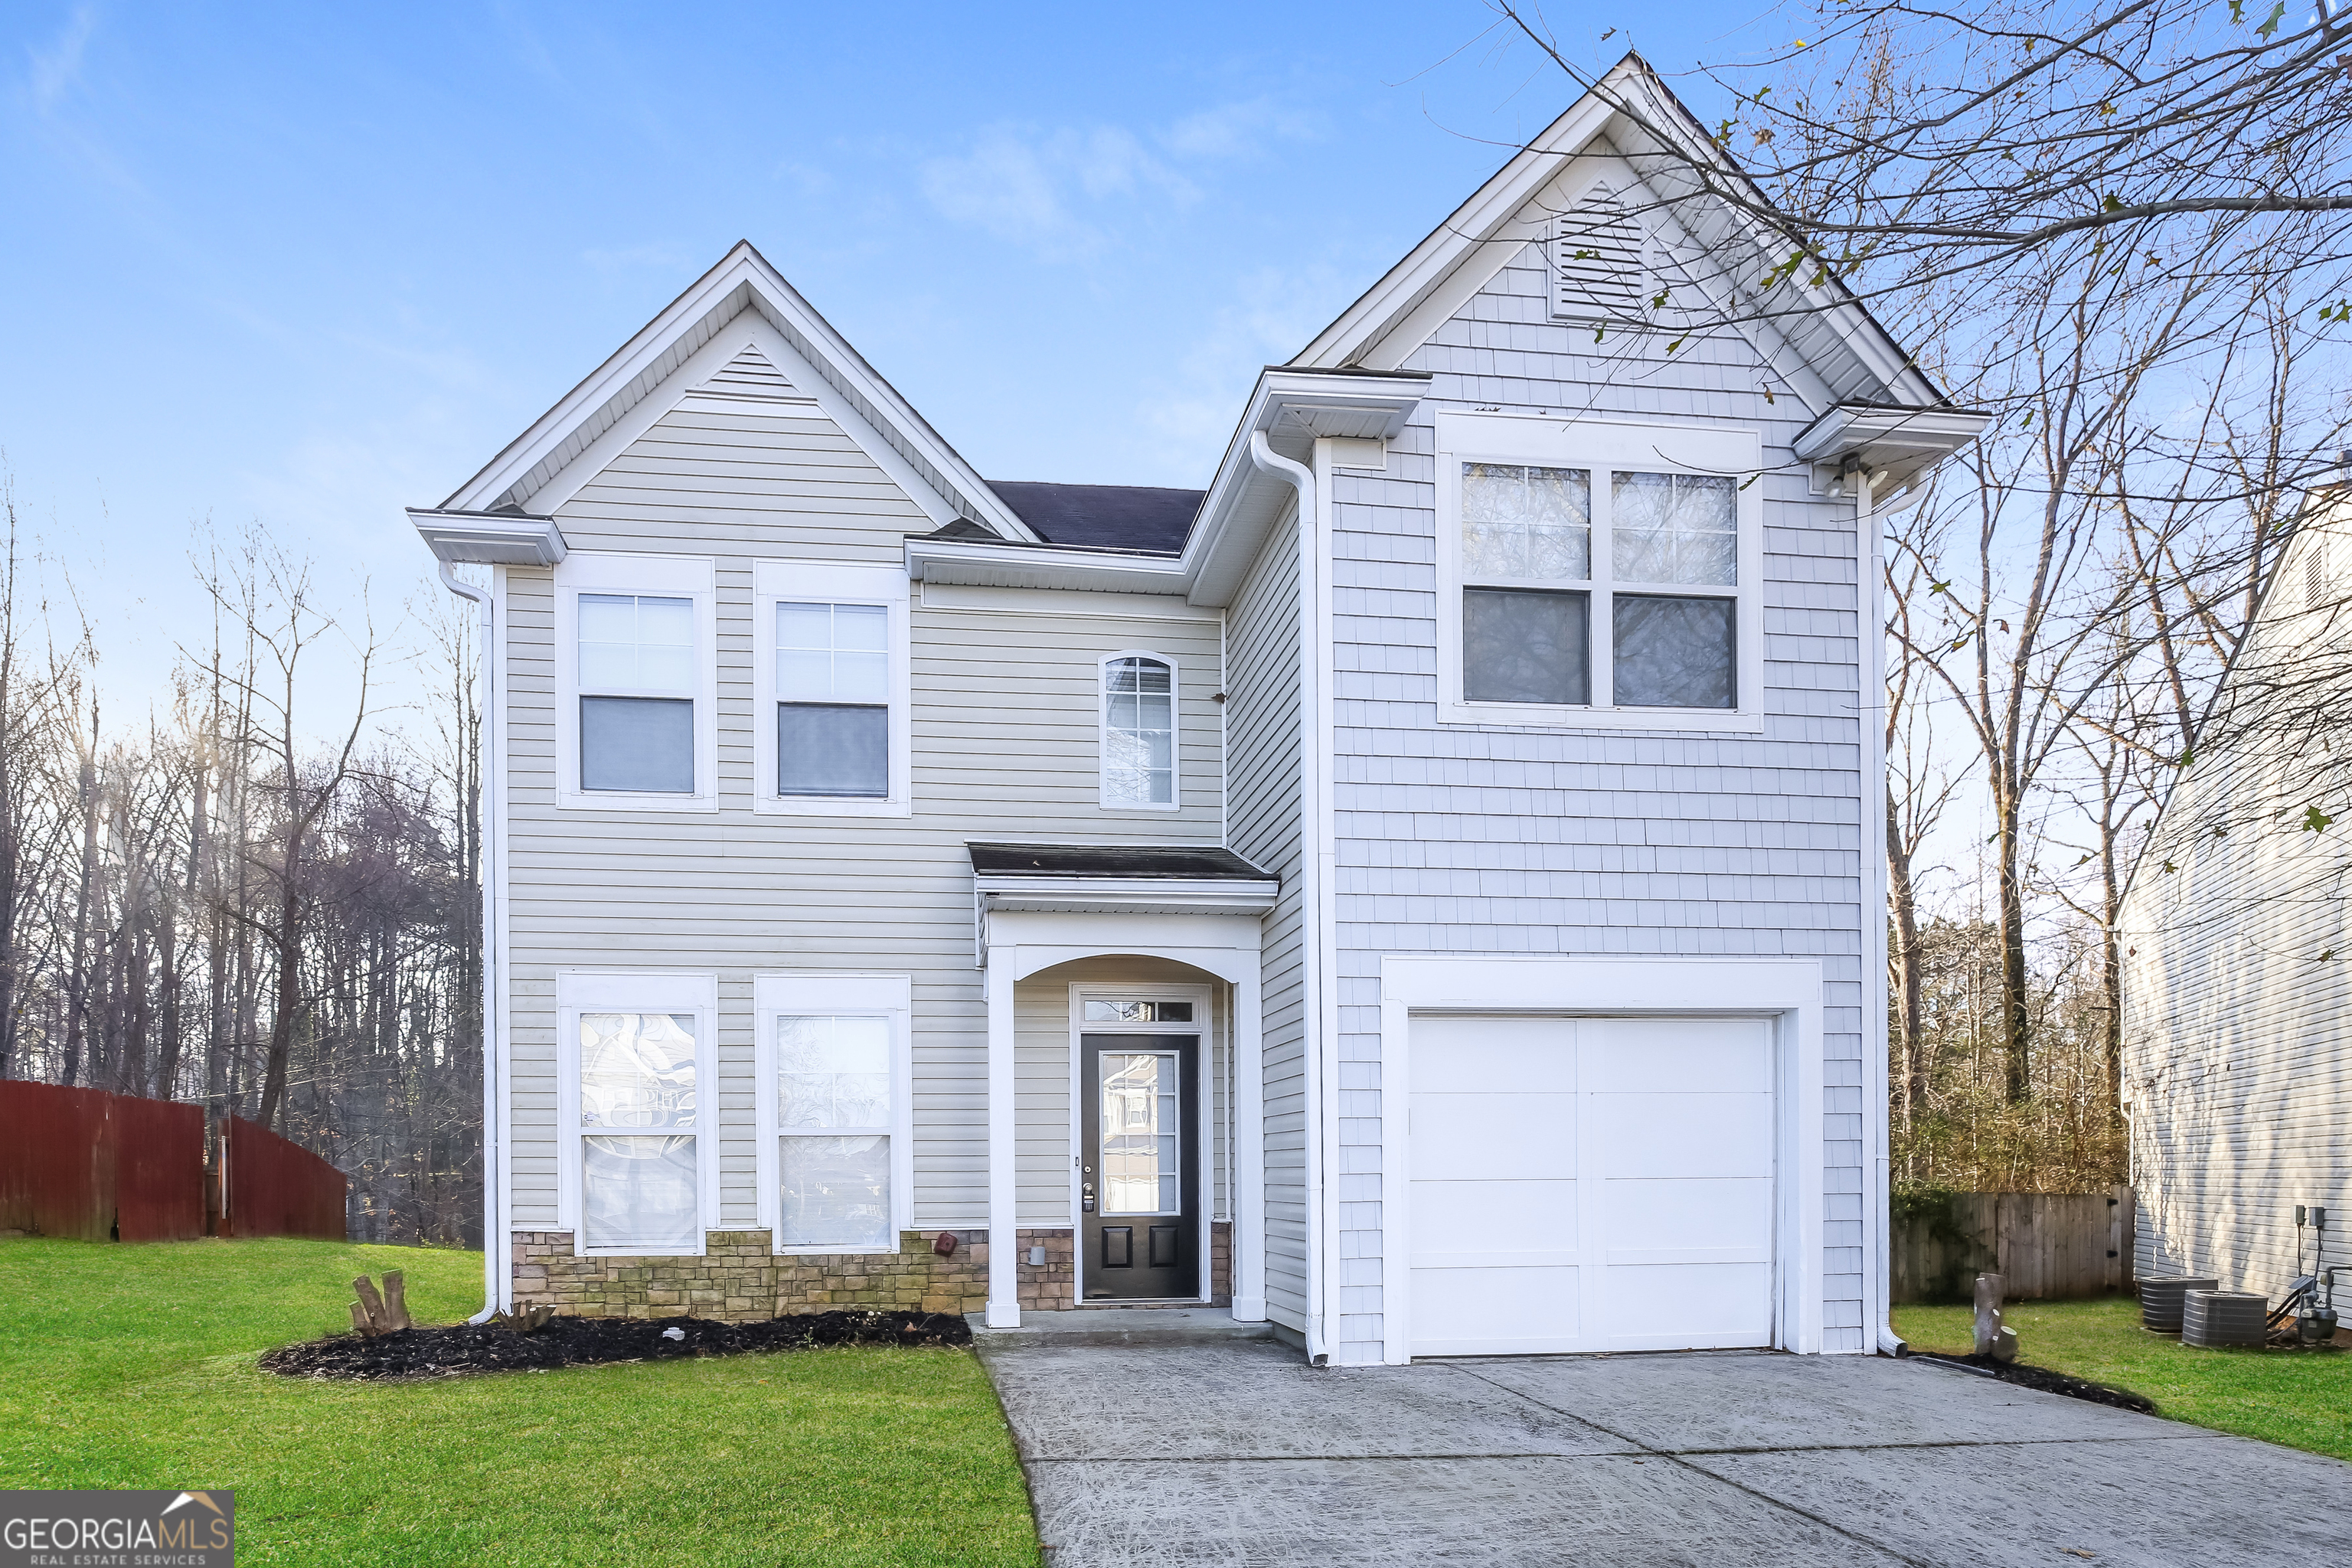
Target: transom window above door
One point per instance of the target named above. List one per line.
(1616, 582)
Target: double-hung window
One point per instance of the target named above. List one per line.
(1598, 574)
(834, 1109)
(830, 645)
(1138, 731)
(636, 719)
(634, 1062)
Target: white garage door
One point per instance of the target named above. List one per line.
(1590, 1185)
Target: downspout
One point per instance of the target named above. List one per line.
(1871, 713)
(496, 1242)
(1313, 792)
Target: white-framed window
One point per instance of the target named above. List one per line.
(1599, 574)
(636, 1062)
(638, 684)
(835, 1111)
(1138, 753)
(831, 653)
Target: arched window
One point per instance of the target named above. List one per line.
(1139, 732)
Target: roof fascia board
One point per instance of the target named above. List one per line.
(1242, 503)
(854, 386)
(982, 564)
(1374, 316)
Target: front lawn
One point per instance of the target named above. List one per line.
(133, 1366)
(2300, 1398)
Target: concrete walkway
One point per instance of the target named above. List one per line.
(1233, 1451)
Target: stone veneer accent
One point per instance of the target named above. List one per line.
(743, 1280)
(1049, 1286)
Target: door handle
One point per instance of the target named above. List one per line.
(1086, 1199)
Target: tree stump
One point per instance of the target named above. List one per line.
(1993, 1338)
(374, 1314)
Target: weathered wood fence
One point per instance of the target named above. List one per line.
(85, 1164)
(2046, 1245)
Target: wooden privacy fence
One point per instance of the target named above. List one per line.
(84, 1163)
(2045, 1245)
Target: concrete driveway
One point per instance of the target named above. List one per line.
(1235, 1452)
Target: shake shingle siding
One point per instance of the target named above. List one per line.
(1005, 709)
(1262, 739)
(1460, 839)
(2237, 1063)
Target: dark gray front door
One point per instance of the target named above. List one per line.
(1137, 1166)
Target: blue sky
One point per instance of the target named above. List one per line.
(306, 265)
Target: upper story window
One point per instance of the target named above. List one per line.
(638, 680)
(1612, 581)
(636, 719)
(832, 700)
(831, 649)
(1138, 731)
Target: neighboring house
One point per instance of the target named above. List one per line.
(1421, 891)
(2236, 1060)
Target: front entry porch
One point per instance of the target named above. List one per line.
(1125, 1151)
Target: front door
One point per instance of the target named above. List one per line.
(1137, 1165)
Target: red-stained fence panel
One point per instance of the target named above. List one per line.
(278, 1188)
(82, 1162)
(158, 1169)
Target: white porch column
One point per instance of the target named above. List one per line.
(1003, 1228)
(1249, 1150)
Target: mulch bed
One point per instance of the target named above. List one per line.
(2048, 1382)
(589, 1342)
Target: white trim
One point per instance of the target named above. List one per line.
(805, 992)
(828, 582)
(1204, 1131)
(1016, 945)
(603, 572)
(1877, 1292)
(1788, 990)
(639, 991)
(843, 382)
(1175, 669)
(1599, 446)
(983, 599)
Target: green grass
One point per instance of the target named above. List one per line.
(134, 1366)
(2300, 1398)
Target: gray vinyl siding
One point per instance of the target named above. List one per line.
(2237, 1063)
(1004, 739)
(1045, 1120)
(1494, 839)
(1262, 735)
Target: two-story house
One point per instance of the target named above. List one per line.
(1420, 890)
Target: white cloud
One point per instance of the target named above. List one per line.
(59, 67)
(1061, 191)
(1030, 188)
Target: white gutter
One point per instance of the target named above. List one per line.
(1315, 794)
(496, 1242)
(1872, 712)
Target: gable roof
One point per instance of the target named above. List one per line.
(1816, 334)
(837, 377)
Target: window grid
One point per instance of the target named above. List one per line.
(832, 700)
(1139, 732)
(638, 677)
(1625, 601)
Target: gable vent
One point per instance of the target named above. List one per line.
(748, 375)
(1597, 272)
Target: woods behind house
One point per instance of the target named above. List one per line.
(235, 899)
